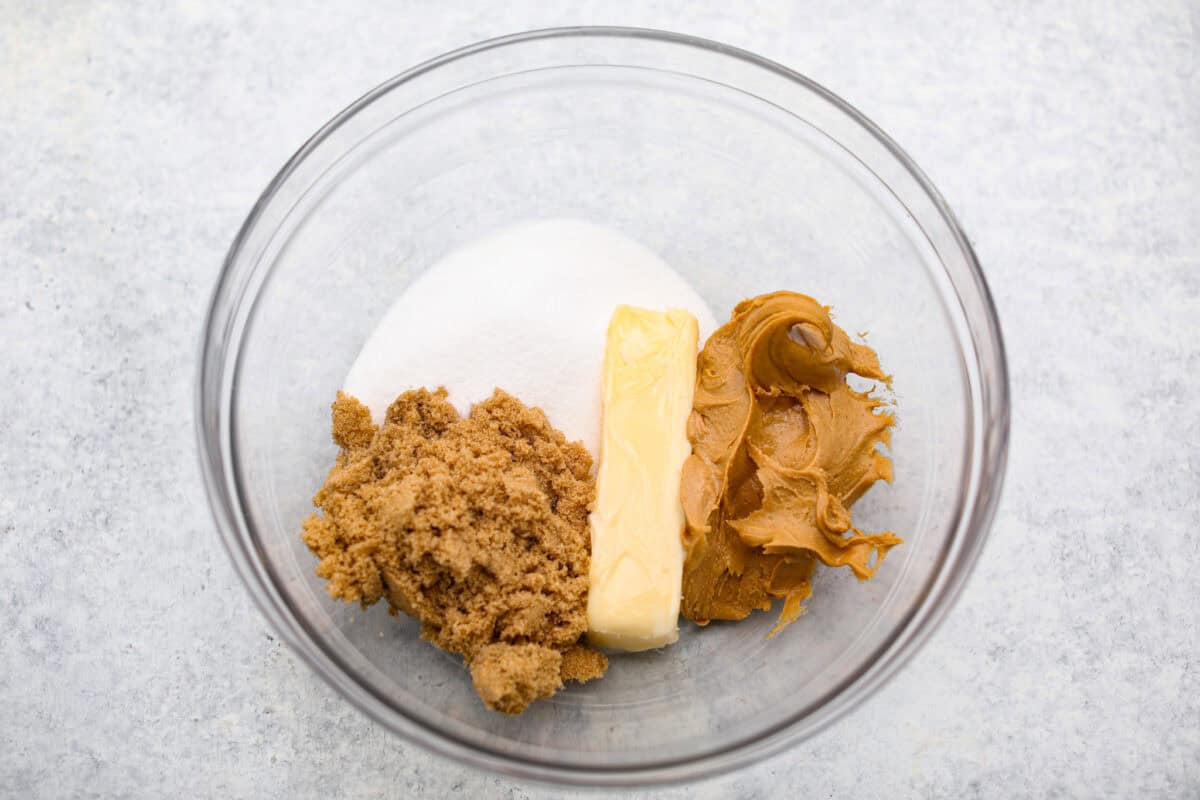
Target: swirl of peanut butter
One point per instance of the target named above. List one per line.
(781, 449)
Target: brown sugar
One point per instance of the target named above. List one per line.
(582, 663)
(511, 676)
(476, 526)
(782, 447)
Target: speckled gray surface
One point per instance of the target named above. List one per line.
(134, 138)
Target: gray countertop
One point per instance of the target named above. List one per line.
(135, 137)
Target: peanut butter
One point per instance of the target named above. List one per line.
(782, 447)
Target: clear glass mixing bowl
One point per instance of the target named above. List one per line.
(747, 178)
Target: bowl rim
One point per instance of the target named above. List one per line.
(991, 415)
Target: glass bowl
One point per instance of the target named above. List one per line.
(746, 177)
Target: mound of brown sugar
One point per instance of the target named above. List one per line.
(476, 526)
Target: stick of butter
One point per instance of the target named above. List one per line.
(637, 524)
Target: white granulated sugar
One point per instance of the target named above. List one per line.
(525, 309)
